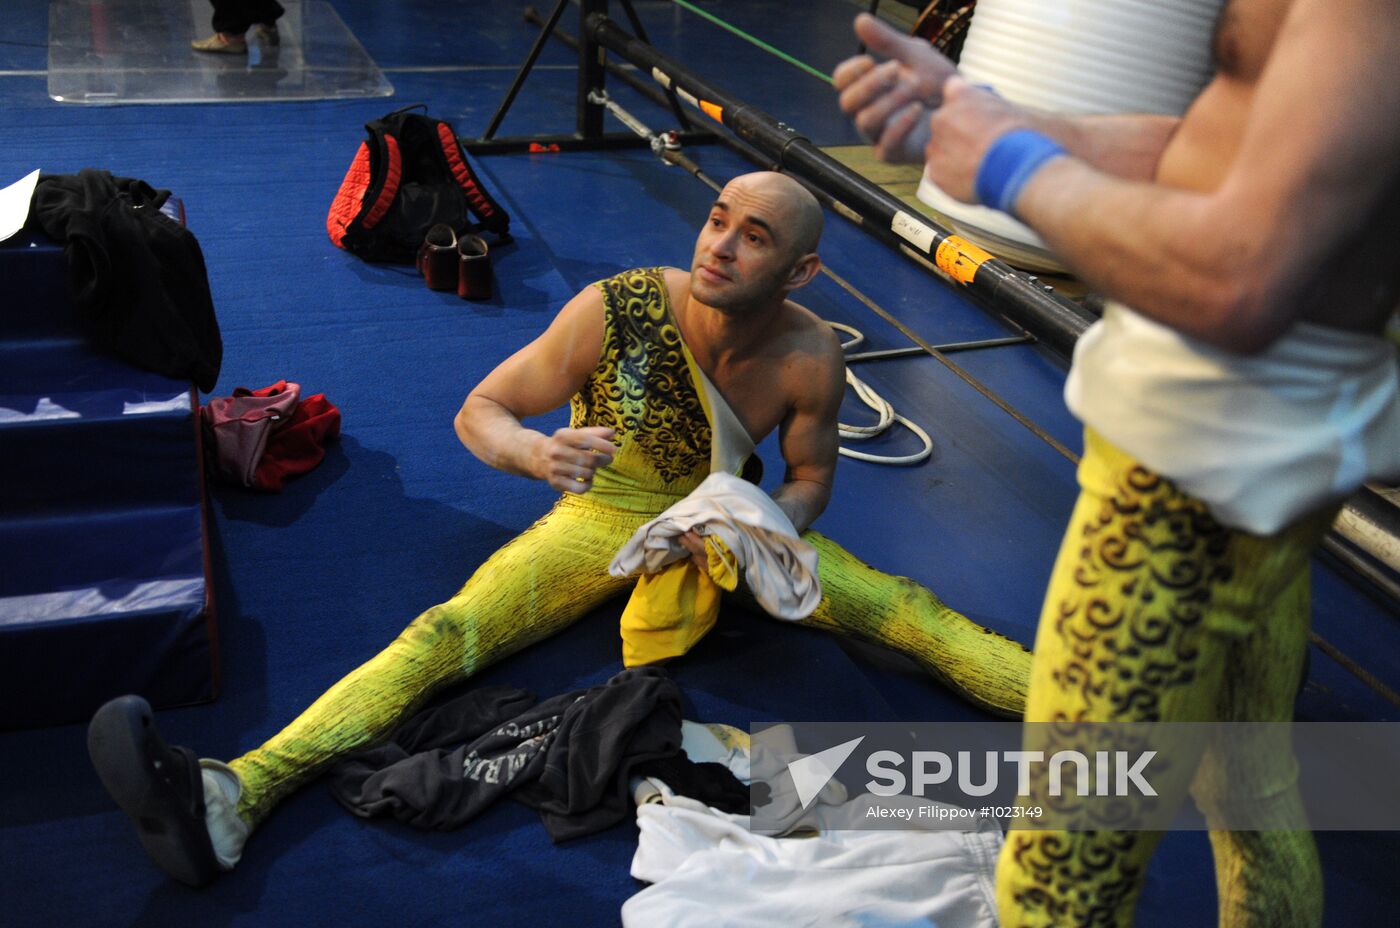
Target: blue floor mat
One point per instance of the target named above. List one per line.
(314, 581)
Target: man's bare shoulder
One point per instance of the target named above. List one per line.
(813, 361)
(587, 304)
(811, 335)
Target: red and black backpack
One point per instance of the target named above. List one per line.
(410, 174)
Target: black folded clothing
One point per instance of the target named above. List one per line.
(136, 275)
(570, 757)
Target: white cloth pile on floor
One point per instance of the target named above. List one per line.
(708, 868)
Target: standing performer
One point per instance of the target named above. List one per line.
(1236, 390)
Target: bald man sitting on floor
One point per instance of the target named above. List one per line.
(669, 374)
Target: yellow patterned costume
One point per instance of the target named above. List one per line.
(557, 570)
(1157, 613)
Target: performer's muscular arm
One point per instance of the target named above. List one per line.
(1235, 264)
(807, 437)
(1126, 146)
(537, 379)
(891, 102)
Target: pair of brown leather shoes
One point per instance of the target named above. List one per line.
(447, 260)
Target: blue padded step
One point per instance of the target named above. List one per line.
(81, 429)
(100, 604)
(32, 265)
(104, 576)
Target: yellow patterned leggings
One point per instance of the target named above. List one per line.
(1157, 613)
(554, 573)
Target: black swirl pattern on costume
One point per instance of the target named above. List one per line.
(642, 386)
(1131, 626)
(1077, 879)
(1147, 564)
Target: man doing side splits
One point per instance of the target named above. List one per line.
(662, 369)
(1235, 391)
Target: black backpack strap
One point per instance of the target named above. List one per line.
(367, 192)
(401, 111)
(386, 174)
(490, 214)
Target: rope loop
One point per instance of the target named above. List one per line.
(887, 416)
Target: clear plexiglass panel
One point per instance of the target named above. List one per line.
(138, 51)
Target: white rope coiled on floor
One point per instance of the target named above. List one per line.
(882, 408)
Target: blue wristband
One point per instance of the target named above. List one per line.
(1009, 165)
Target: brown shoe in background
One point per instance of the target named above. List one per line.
(221, 43)
(474, 278)
(437, 258)
(267, 33)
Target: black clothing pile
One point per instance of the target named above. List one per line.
(136, 276)
(713, 784)
(570, 756)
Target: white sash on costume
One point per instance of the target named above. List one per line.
(1262, 439)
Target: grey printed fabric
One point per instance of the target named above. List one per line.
(570, 756)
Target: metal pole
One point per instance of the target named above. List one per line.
(982, 276)
(591, 75)
(949, 348)
(683, 121)
(524, 71)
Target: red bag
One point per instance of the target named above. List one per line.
(262, 438)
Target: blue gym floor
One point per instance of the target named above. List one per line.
(312, 582)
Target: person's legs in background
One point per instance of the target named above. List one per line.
(233, 18)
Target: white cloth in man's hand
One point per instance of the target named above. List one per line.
(778, 566)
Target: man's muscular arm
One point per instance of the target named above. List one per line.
(539, 378)
(807, 437)
(1234, 265)
(1127, 146)
(890, 103)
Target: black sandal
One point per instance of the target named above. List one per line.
(160, 788)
